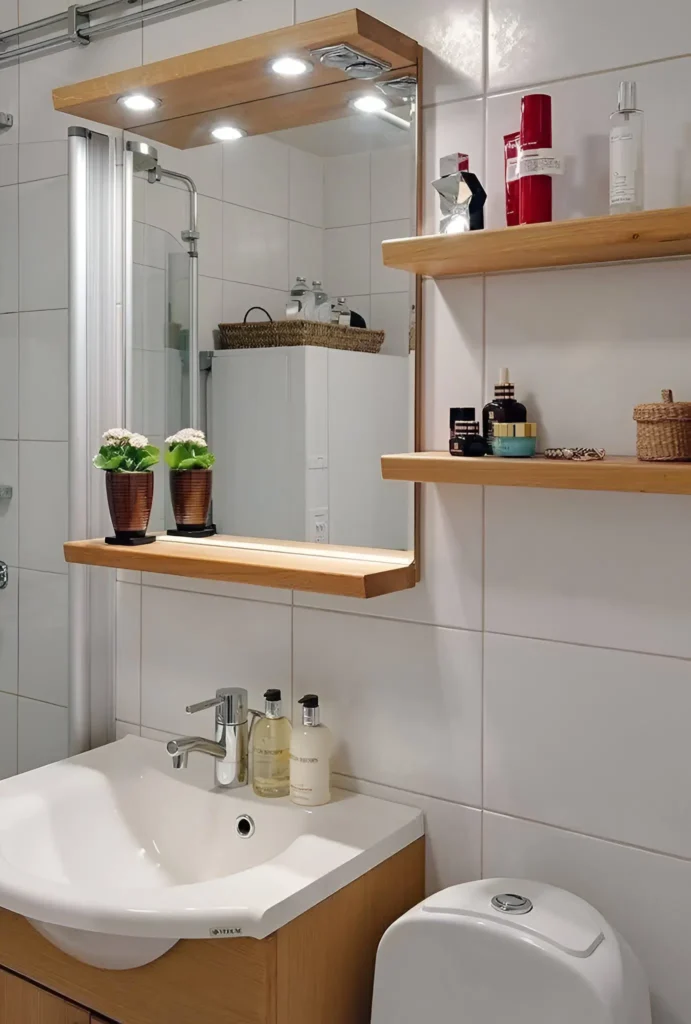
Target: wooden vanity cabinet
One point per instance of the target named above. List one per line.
(317, 969)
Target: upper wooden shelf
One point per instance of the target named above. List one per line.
(630, 236)
(615, 473)
(233, 82)
(349, 572)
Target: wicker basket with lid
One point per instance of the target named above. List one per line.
(664, 430)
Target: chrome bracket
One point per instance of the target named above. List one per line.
(6, 122)
(76, 23)
(4, 575)
(5, 492)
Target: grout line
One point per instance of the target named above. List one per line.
(589, 835)
(592, 647)
(224, 597)
(400, 789)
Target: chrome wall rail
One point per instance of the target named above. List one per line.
(79, 28)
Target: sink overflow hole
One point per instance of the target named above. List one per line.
(244, 826)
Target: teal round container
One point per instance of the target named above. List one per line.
(514, 447)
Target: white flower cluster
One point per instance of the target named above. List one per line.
(120, 437)
(188, 435)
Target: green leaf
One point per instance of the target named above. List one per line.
(108, 461)
(147, 462)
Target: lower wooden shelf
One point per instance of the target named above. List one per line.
(321, 569)
(614, 473)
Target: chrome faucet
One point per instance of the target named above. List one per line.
(230, 747)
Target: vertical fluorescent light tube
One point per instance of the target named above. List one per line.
(79, 696)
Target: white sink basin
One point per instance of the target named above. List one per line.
(114, 856)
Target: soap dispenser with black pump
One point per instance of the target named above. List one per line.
(310, 757)
(271, 749)
(503, 408)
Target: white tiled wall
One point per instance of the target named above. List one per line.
(532, 693)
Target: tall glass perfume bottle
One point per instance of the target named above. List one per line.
(271, 750)
(503, 408)
(626, 175)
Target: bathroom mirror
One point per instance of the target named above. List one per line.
(297, 413)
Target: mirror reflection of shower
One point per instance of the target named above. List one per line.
(164, 357)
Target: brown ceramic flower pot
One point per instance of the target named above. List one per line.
(130, 496)
(190, 493)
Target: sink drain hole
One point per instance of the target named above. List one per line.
(244, 826)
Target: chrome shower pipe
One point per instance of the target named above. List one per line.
(191, 237)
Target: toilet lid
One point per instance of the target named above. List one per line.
(556, 917)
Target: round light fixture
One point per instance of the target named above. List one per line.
(227, 133)
(370, 104)
(139, 102)
(290, 67)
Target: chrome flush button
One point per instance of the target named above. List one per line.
(510, 903)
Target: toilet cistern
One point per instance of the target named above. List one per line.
(230, 746)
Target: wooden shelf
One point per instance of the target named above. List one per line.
(232, 82)
(350, 572)
(631, 236)
(616, 473)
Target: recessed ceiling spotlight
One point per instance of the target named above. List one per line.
(290, 67)
(139, 102)
(227, 133)
(370, 104)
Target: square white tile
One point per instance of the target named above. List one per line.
(43, 376)
(450, 591)
(43, 244)
(392, 692)
(347, 260)
(9, 507)
(9, 629)
(211, 240)
(589, 567)
(539, 40)
(217, 588)
(42, 734)
(239, 298)
(347, 190)
(390, 312)
(393, 194)
(606, 731)
(209, 26)
(167, 208)
(8, 735)
(42, 160)
(43, 636)
(306, 256)
(306, 202)
(645, 896)
(9, 375)
(43, 524)
(9, 270)
(210, 311)
(450, 33)
(383, 278)
(256, 174)
(255, 248)
(453, 833)
(8, 165)
(128, 650)
(246, 643)
(585, 346)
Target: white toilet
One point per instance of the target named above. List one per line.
(504, 951)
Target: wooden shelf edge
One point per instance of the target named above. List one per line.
(652, 234)
(615, 473)
(302, 569)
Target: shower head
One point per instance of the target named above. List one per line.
(144, 156)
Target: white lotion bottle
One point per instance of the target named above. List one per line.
(626, 175)
(310, 757)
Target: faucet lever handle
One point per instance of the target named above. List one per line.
(203, 705)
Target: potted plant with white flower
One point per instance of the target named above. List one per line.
(128, 459)
(190, 464)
